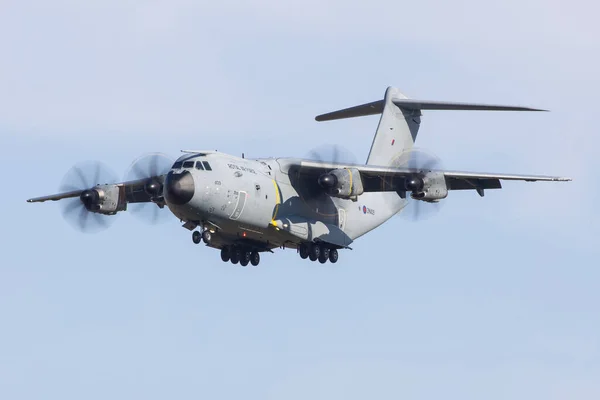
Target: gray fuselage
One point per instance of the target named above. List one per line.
(256, 201)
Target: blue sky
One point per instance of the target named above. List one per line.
(492, 298)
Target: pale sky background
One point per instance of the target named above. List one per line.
(494, 297)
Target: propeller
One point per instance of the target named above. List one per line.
(421, 161)
(316, 196)
(150, 167)
(78, 211)
(332, 153)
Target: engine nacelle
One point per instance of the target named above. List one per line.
(104, 199)
(433, 189)
(343, 183)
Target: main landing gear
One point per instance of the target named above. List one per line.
(321, 252)
(237, 254)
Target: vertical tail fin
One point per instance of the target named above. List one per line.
(397, 129)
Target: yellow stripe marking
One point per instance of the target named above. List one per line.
(277, 203)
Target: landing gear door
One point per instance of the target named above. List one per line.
(240, 198)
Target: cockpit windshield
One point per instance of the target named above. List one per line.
(183, 164)
(201, 165)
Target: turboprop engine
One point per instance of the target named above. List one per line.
(430, 187)
(343, 183)
(103, 199)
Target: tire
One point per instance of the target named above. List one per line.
(206, 237)
(254, 258)
(333, 256)
(235, 256)
(304, 251)
(225, 254)
(324, 255)
(314, 252)
(245, 258)
(196, 237)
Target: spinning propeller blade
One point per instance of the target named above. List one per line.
(314, 192)
(84, 177)
(421, 161)
(150, 167)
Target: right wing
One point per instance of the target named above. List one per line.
(109, 199)
(134, 191)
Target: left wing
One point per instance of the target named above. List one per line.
(380, 179)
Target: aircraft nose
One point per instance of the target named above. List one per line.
(179, 187)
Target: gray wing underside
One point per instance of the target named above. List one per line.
(133, 190)
(475, 181)
(55, 197)
(456, 180)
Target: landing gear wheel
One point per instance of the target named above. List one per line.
(236, 254)
(206, 237)
(324, 255)
(254, 258)
(196, 237)
(314, 252)
(245, 258)
(225, 254)
(333, 256)
(304, 251)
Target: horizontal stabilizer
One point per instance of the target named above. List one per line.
(446, 105)
(373, 108)
(376, 107)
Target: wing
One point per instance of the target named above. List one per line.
(473, 180)
(128, 192)
(380, 179)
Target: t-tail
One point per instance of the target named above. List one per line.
(400, 120)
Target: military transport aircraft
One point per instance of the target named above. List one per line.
(247, 206)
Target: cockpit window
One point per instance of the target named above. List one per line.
(177, 165)
(188, 164)
(206, 165)
(199, 165)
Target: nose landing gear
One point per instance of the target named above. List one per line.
(196, 237)
(204, 236)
